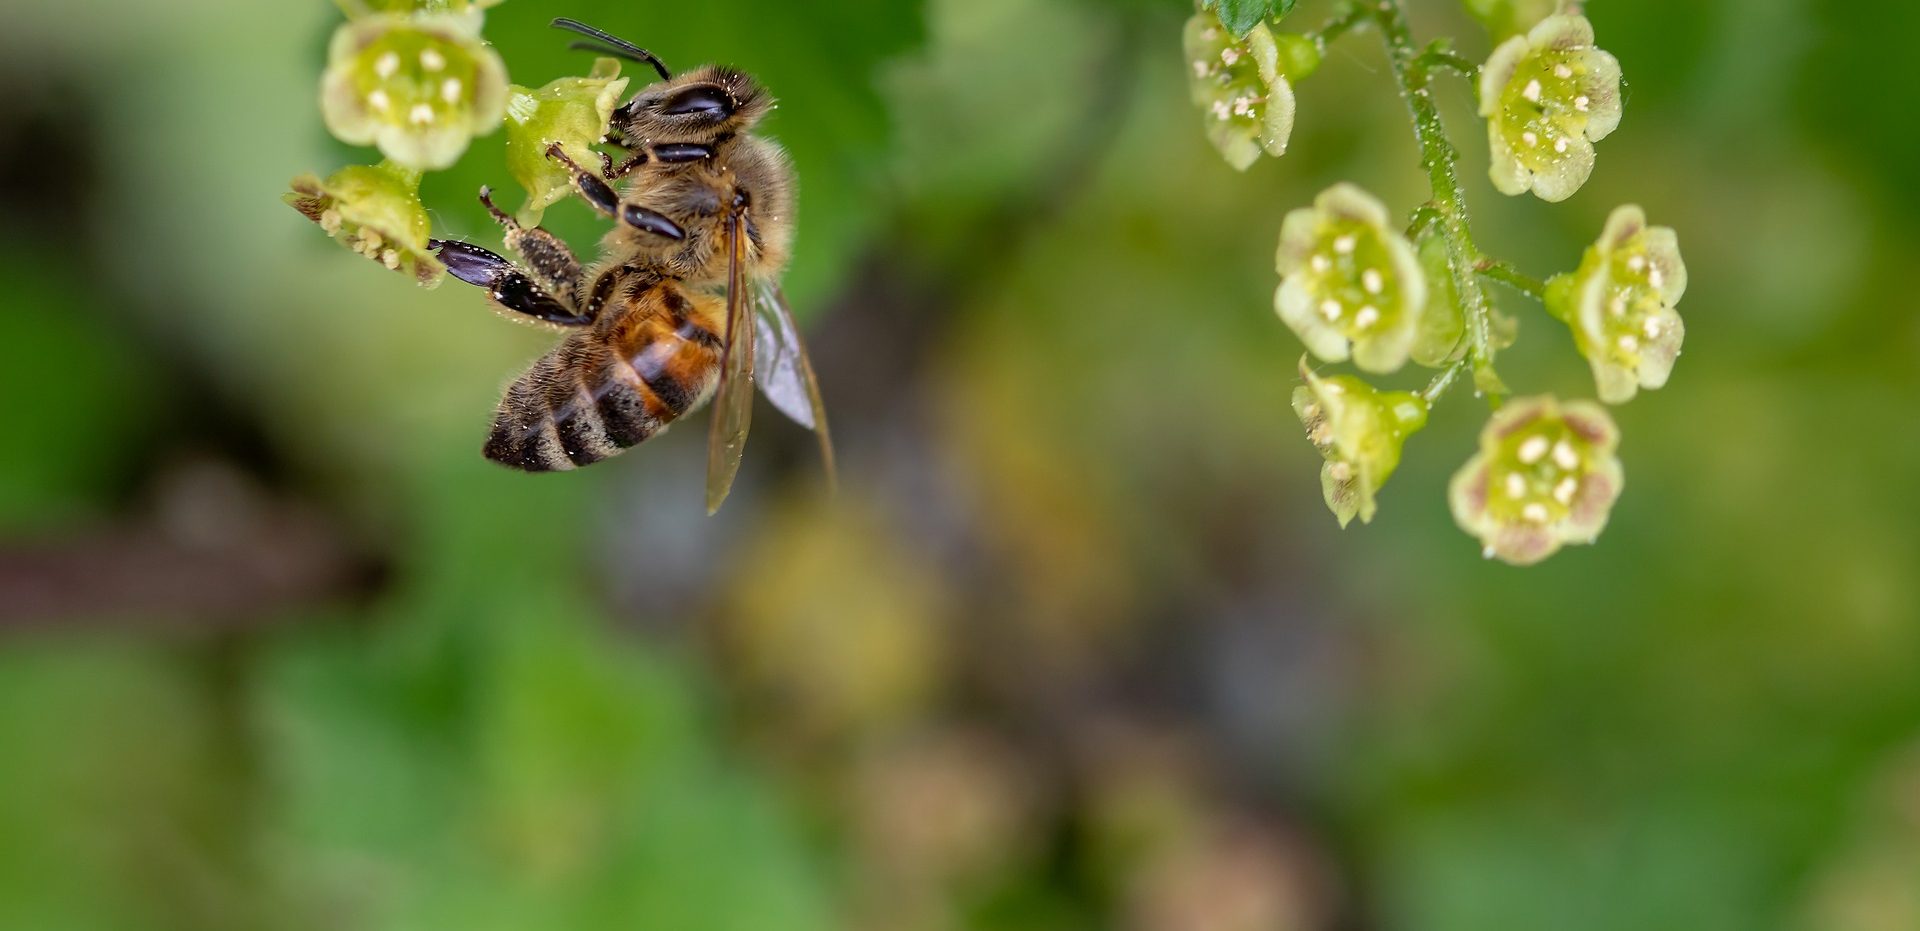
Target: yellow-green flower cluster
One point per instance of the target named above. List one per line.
(374, 210)
(573, 112)
(1546, 475)
(1548, 96)
(1360, 430)
(420, 86)
(1240, 86)
(1350, 284)
(1620, 305)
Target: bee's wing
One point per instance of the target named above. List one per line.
(733, 402)
(784, 372)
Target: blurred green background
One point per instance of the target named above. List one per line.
(1077, 646)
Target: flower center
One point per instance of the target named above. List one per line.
(415, 79)
(1538, 475)
(1349, 277)
(1546, 106)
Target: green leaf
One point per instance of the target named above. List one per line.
(1240, 16)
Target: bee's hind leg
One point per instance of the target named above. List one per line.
(506, 283)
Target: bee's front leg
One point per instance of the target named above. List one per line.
(507, 284)
(591, 187)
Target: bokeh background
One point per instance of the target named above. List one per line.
(1077, 646)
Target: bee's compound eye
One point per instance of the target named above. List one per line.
(701, 99)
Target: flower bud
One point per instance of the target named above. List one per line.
(374, 210)
(1240, 85)
(1360, 430)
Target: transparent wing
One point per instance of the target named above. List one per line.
(733, 403)
(784, 372)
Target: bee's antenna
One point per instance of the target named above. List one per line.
(615, 46)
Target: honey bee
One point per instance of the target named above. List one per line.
(682, 308)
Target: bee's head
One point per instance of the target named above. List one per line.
(696, 106)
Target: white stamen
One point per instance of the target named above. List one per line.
(1341, 471)
(1532, 91)
(432, 60)
(1565, 491)
(1636, 263)
(1200, 69)
(1534, 449)
(1565, 456)
(1562, 72)
(1220, 110)
(1373, 281)
(1629, 344)
(1229, 55)
(1330, 309)
(1535, 513)
(450, 90)
(1581, 103)
(421, 113)
(1560, 145)
(1516, 486)
(1652, 328)
(1656, 277)
(386, 65)
(1320, 263)
(1530, 137)
(1368, 316)
(380, 100)
(1344, 245)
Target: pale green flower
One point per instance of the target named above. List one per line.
(1241, 87)
(420, 87)
(1620, 305)
(1360, 430)
(1546, 475)
(1350, 284)
(374, 210)
(573, 112)
(1547, 97)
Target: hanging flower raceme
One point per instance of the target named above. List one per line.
(374, 210)
(1243, 86)
(1546, 475)
(1547, 97)
(573, 112)
(1620, 305)
(1351, 284)
(1360, 430)
(418, 86)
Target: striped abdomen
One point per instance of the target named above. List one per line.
(649, 360)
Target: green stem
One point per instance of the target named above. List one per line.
(1424, 217)
(1444, 380)
(1345, 18)
(1441, 160)
(1436, 58)
(1506, 274)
